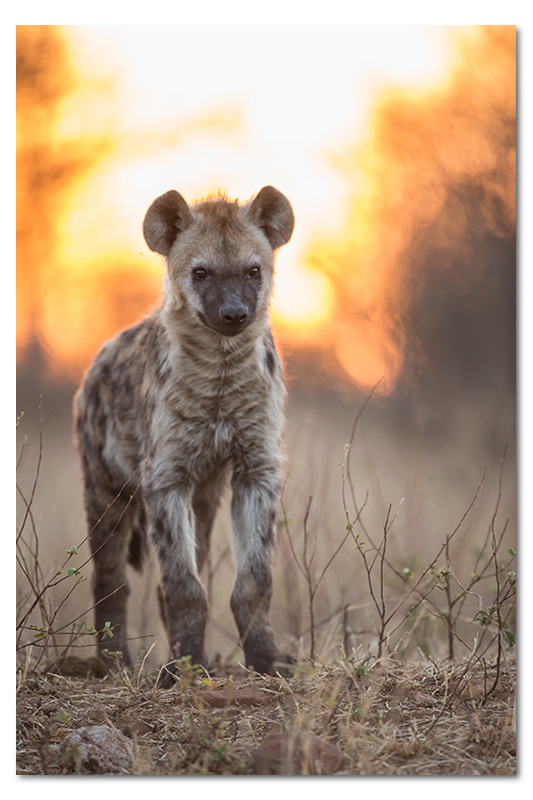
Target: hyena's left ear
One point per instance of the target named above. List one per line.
(168, 216)
(272, 212)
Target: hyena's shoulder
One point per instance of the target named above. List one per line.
(120, 359)
(272, 358)
(113, 405)
(131, 360)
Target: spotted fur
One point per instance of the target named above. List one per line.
(175, 407)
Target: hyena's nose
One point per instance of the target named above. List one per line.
(234, 313)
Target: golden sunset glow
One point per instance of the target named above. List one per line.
(362, 128)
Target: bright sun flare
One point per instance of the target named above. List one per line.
(200, 110)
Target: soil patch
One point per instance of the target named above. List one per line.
(392, 718)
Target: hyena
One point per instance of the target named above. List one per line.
(174, 406)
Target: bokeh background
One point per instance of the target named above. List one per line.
(397, 148)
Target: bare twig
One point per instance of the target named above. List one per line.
(37, 473)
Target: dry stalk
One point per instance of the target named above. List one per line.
(305, 567)
(27, 557)
(37, 472)
(442, 579)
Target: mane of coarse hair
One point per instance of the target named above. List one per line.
(219, 196)
(218, 208)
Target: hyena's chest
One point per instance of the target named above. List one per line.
(202, 425)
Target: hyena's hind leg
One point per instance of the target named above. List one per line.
(115, 520)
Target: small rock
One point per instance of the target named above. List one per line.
(96, 749)
(394, 716)
(248, 696)
(137, 728)
(296, 753)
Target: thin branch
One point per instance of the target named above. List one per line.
(38, 470)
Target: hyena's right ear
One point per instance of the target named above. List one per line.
(168, 215)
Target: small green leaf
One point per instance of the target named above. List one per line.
(107, 631)
(509, 637)
(482, 617)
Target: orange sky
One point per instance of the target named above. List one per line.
(365, 129)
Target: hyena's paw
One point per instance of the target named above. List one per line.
(168, 675)
(284, 664)
(182, 667)
(281, 663)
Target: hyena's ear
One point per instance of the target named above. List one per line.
(272, 212)
(168, 216)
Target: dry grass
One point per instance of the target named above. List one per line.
(389, 718)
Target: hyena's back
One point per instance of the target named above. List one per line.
(107, 412)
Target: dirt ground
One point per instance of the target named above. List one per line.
(382, 718)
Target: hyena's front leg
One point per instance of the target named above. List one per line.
(254, 507)
(182, 597)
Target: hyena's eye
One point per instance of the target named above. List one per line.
(254, 272)
(200, 274)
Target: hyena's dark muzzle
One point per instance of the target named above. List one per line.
(233, 314)
(229, 303)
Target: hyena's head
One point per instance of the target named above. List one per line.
(220, 254)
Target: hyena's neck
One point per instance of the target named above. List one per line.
(218, 363)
